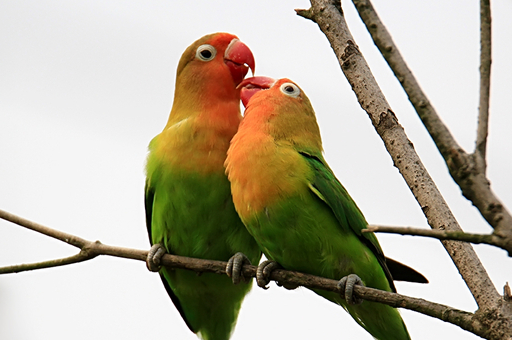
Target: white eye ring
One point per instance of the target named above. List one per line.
(290, 89)
(206, 52)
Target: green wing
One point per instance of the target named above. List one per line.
(327, 187)
(149, 198)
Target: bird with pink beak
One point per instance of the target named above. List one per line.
(299, 213)
(189, 210)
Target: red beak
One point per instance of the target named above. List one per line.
(252, 85)
(239, 59)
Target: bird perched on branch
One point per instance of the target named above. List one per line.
(296, 209)
(189, 209)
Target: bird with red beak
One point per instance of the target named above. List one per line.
(189, 210)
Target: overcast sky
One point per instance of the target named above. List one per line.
(85, 85)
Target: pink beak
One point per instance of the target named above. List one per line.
(238, 57)
(252, 85)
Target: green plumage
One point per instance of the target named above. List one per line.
(316, 230)
(193, 215)
(296, 209)
(189, 208)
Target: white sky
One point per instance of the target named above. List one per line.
(84, 86)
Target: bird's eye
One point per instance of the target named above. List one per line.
(206, 52)
(290, 89)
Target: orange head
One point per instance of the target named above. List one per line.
(207, 77)
(282, 110)
(211, 68)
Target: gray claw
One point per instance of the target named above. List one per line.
(346, 285)
(263, 272)
(154, 256)
(234, 268)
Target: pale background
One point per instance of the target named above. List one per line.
(84, 86)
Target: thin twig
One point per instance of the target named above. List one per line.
(59, 235)
(468, 170)
(485, 82)
(91, 249)
(428, 115)
(80, 257)
(490, 239)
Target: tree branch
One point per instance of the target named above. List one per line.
(80, 257)
(490, 239)
(59, 235)
(90, 249)
(329, 17)
(485, 82)
(384, 42)
(467, 170)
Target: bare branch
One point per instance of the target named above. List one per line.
(428, 115)
(327, 15)
(90, 249)
(485, 82)
(46, 264)
(490, 239)
(468, 170)
(59, 235)
(460, 318)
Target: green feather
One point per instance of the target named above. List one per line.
(317, 230)
(193, 215)
(332, 192)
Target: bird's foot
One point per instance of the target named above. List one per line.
(263, 275)
(346, 285)
(263, 272)
(234, 268)
(154, 257)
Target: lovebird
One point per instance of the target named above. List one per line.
(298, 212)
(189, 208)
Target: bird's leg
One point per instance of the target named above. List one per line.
(263, 275)
(346, 285)
(154, 256)
(234, 268)
(263, 272)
